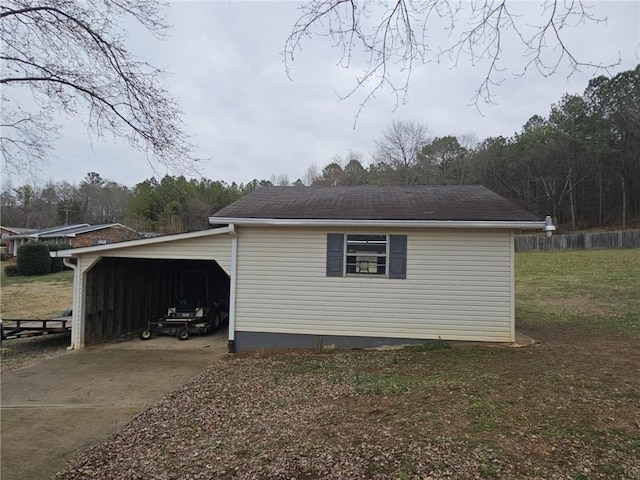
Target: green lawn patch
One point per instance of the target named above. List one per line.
(599, 290)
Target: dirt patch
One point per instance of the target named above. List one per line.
(574, 304)
(22, 352)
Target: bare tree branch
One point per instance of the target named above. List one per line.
(26, 136)
(394, 37)
(71, 56)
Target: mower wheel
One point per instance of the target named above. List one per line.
(144, 334)
(182, 334)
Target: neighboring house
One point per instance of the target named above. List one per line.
(79, 235)
(6, 231)
(312, 267)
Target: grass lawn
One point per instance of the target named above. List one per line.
(45, 296)
(34, 297)
(590, 292)
(565, 408)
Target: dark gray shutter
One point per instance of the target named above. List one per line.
(397, 256)
(335, 254)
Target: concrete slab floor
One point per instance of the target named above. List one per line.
(55, 407)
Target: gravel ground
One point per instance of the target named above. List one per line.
(541, 412)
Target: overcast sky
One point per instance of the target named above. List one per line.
(252, 121)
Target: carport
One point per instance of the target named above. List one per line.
(119, 287)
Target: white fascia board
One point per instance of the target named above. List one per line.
(57, 230)
(280, 222)
(74, 252)
(98, 228)
(92, 228)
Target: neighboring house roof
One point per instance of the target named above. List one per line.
(18, 230)
(457, 203)
(49, 231)
(67, 231)
(80, 229)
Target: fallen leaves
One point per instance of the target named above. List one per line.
(349, 415)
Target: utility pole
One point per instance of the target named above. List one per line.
(66, 212)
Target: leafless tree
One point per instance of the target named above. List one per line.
(310, 174)
(70, 56)
(395, 37)
(281, 179)
(400, 148)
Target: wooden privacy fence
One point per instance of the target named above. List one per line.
(578, 241)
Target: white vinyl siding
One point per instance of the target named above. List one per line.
(215, 247)
(458, 286)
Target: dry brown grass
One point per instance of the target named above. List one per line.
(35, 297)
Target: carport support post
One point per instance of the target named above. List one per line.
(512, 286)
(75, 310)
(232, 288)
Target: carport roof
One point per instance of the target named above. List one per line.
(455, 203)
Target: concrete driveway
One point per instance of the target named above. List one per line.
(53, 408)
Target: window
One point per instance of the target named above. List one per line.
(373, 255)
(367, 254)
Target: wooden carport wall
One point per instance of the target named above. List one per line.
(123, 294)
(87, 257)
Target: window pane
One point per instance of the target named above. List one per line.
(366, 254)
(367, 244)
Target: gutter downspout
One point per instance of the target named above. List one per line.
(75, 315)
(232, 288)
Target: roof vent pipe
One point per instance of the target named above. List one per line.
(549, 227)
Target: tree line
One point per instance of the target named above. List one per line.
(579, 163)
(169, 205)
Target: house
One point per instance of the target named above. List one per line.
(7, 231)
(309, 267)
(78, 235)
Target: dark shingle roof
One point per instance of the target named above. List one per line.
(459, 202)
(19, 230)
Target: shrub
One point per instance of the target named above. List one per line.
(11, 270)
(34, 259)
(56, 263)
